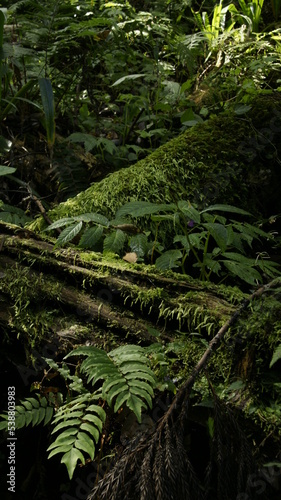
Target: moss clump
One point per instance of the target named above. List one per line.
(230, 158)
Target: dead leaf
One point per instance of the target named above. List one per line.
(130, 257)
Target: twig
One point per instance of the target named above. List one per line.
(41, 208)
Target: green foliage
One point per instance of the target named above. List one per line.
(125, 372)
(251, 11)
(213, 29)
(214, 243)
(6, 170)
(13, 215)
(122, 377)
(31, 411)
(80, 423)
(276, 356)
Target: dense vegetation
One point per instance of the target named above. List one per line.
(145, 132)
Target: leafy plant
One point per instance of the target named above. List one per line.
(127, 377)
(31, 411)
(11, 214)
(80, 423)
(49, 109)
(121, 377)
(213, 29)
(276, 356)
(204, 240)
(251, 11)
(210, 241)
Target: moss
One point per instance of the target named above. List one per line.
(29, 292)
(225, 159)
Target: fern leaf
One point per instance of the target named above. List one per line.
(84, 445)
(60, 415)
(92, 430)
(276, 356)
(48, 415)
(126, 374)
(78, 430)
(60, 449)
(114, 391)
(30, 411)
(70, 459)
(135, 404)
(73, 421)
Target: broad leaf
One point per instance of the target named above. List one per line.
(138, 244)
(4, 170)
(189, 211)
(69, 233)
(225, 208)
(245, 273)
(90, 142)
(114, 242)
(141, 208)
(127, 77)
(219, 233)
(60, 223)
(169, 260)
(93, 217)
(91, 237)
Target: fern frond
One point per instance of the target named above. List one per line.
(30, 411)
(128, 379)
(82, 423)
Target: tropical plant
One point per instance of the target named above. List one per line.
(204, 240)
(251, 11)
(214, 28)
(212, 240)
(122, 377)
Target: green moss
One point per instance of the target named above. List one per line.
(28, 292)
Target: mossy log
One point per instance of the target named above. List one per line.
(54, 299)
(230, 158)
(101, 294)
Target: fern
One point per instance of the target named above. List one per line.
(276, 356)
(127, 377)
(30, 411)
(81, 423)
